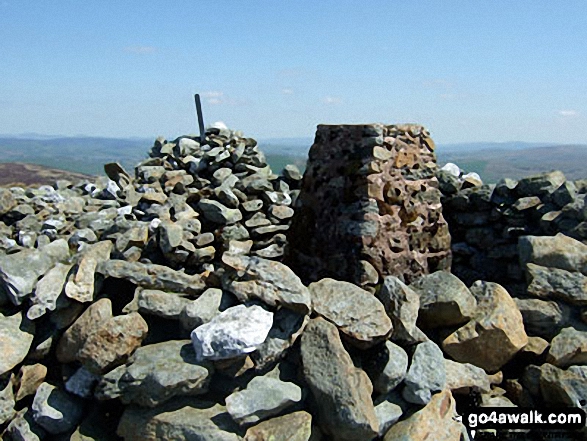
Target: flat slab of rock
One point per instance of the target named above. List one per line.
(263, 397)
(342, 391)
(462, 377)
(152, 276)
(426, 374)
(560, 251)
(355, 312)
(494, 335)
(271, 282)
(295, 426)
(81, 286)
(16, 336)
(237, 331)
(155, 373)
(161, 304)
(48, 290)
(178, 420)
(568, 347)
(56, 411)
(444, 300)
(203, 309)
(554, 283)
(435, 422)
(20, 271)
(402, 305)
(112, 343)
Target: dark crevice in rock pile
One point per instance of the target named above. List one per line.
(159, 308)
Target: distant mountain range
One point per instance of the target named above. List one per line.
(492, 160)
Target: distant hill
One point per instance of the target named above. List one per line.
(18, 174)
(492, 160)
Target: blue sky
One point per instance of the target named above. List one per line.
(468, 70)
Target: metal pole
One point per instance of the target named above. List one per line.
(200, 119)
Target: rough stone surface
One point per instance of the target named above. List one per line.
(7, 401)
(568, 347)
(16, 337)
(560, 251)
(263, 397)
(24, 428)
(394, 369)
(426, 374)
(354, 311)
(179, 420)
(435, 422)
(112, 343)
(369, 193)
(161, 303)
(494, 335)
(401, 304)
(462, 377)
(156, 373)
(271, 282)
(81, 286)
(444, 300)
(554, 283)
(295, 426)
(237, 331)
(543, 318)
(55, 410)
(48, 290)
(29, 379)
(342, 391)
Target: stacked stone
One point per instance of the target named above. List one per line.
(369, 206)
(485, 222)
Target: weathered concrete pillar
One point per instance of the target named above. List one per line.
(369, 206)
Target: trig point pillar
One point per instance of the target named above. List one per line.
(369, 206)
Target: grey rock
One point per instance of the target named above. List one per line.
(24, 428)
(7, 201)
(426, 375)
(543, 318)
(271, 282)
(356, 312)
(281, 212)
(560, 387)
(203, 309)
(16, 336)
(263, 397)
(82, 383)
(558, 251)
(342, 391)
(170, 236)
(7, 401)
(156, 373)
(204, 239)
(568, 347)
(296, 426)
(237, 331)
(252, 205)
(161, 304)
(287, 327)
(292, 173)
(401, 304)
(388, 414)
(48, 290)
(152, 276)
(394, 369)
(20, 271)
(462, 377)
(81, 286)
(56, 411)
(538, 184)
(554, 283)
(565, 194)
(216, 212)
(178, 420)
(444, 300)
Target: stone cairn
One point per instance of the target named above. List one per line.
(158, 307)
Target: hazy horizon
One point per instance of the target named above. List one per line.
(469, 71)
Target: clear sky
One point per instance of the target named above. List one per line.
(475, 70)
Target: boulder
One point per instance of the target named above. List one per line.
(554, 283)
(81, 286)
(543, 318)
(263, 397)
(560, 387)
(395, 366)
(567, 348)
(56, 411)
(29, 378)
(342, 391)
(203, 309)
(48, 290)
(16, 336)
(426, 374)
(271, 282)
(295, 426)
(7, 401)
(463, 377)
(435, 422)
(218, 213)
(156, 373)
(161, 304)
(355, 312)
(494, 335)
(444, 300)
(237, 331)
(24, 428)
(560, 251)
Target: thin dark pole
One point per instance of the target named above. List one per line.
(200, 119)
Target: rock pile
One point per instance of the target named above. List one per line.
(114, 324)
(369, 206)
(485, 221)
